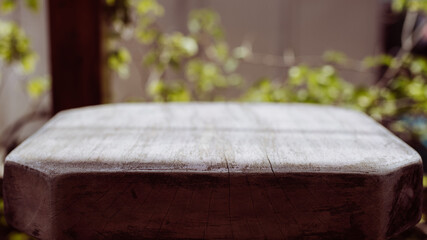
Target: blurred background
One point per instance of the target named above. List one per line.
(365, 55)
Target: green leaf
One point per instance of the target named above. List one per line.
(15, 46)
(147, 36)
(155, 87)
(37, 86)
(380, 60)
(410, 5)
(335, 57)
(7, 6)
(398, 5)
(124, 55)
(28, 62)
(149, 6)
(218, 52)
(328, 71)
(231, 65)
(118, 61)
(32, 4)
(418, 65)
(165, 92)
(296, 75)
(205, 21)
(364, 100)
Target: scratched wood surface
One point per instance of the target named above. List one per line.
(213, 171)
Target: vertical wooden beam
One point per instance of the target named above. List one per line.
(75, 49)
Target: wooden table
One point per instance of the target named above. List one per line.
(213, 171)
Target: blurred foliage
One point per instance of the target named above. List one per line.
(203, 56)
(391, 101)
(15, 48)
(201, 66)
(119, 60)
(37, 86)
(201, 62)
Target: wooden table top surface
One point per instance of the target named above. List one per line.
(215, 138)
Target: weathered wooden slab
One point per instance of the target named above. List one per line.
(212, 171)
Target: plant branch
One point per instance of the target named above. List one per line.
(409, 38)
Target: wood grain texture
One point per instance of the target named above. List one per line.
(213, 171)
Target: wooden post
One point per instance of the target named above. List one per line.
(75, 48)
